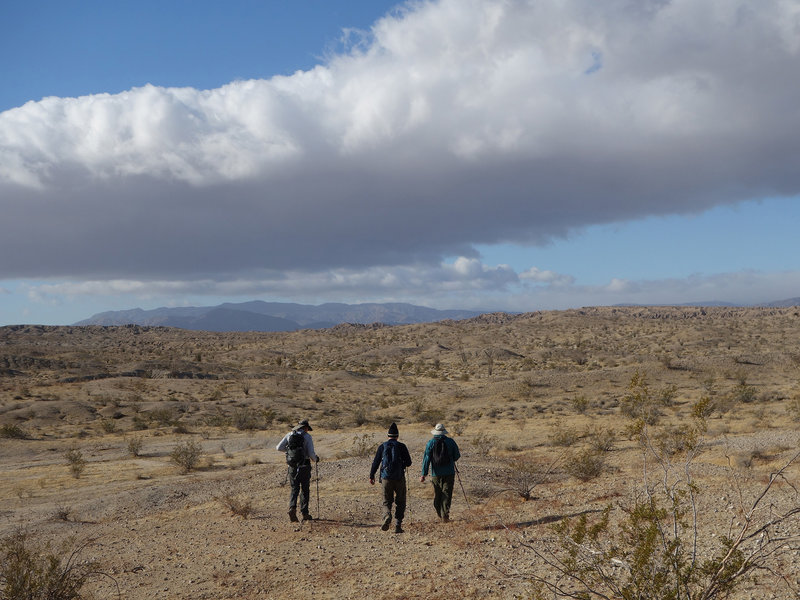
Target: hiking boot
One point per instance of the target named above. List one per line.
(387, 520)
(398, 528)
(446, 519)
(293, 516)
(307, 517)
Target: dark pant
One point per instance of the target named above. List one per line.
(394, 490)
(300, 478)
(443, 494)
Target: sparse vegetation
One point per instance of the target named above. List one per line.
(584, 390)
(12, 431)
(241, 507)
(31, 572)
(187, 455)
(75, 461)
(134, 445)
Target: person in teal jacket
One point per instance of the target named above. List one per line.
(441, 454)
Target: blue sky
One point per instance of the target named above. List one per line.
(456, 154)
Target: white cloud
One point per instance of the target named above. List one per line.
(537, 275)
(459, 122)
(482, 288)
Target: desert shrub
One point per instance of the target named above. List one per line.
(363, 445)
(139, 424)
(674, 440)
(134, 446)
(360, 417)
(62, 513)
(793, 408)
(601, 440)
(432, 416)
(653, 551)
(521, 475)
(482, 443)
(666, 395)
(743, 393)
(30, 572)
(187, 455)
(163, 416)
(75, 461)
(638, 403)
(12, 431)
(585, 464)
(108, 426)
(218, 419)
(562, 436)
(580, 404)
(238, 506)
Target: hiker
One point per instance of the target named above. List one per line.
(441, 454)
(393, 458)
(299, 449)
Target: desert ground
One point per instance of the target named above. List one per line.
(560, 415)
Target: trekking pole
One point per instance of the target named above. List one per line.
(408, 494)
(316, 468)
(462, 487)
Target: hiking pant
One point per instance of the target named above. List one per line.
(443, 494)
(394, 490)
(300, 478)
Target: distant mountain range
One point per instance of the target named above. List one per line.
(282, 316)
(276, 316)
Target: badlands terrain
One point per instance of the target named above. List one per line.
(152, 450)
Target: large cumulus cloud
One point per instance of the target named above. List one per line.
(454, 123)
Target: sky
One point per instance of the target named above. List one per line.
(513, 155)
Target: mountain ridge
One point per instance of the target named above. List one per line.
(258, 315)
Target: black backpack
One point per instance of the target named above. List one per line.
(392, 464)
(440, 455)
(295, 449)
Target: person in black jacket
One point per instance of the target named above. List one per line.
(299, 473)
(393, 458)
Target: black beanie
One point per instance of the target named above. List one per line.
(393, 430)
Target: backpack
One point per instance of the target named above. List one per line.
(440, 455)
(295, 449)
(392, 464)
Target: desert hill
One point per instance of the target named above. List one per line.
(555, 413)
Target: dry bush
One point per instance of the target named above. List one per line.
(75, 461)
(601, 440)
(364, 445)
(658, 549)
(13, 432)
(522, 475)
(134, 446)
(238, 506)
(580, 404)
(483, 443)
(187, 455)
(585, 464)
(562, 436)
(32, 572)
